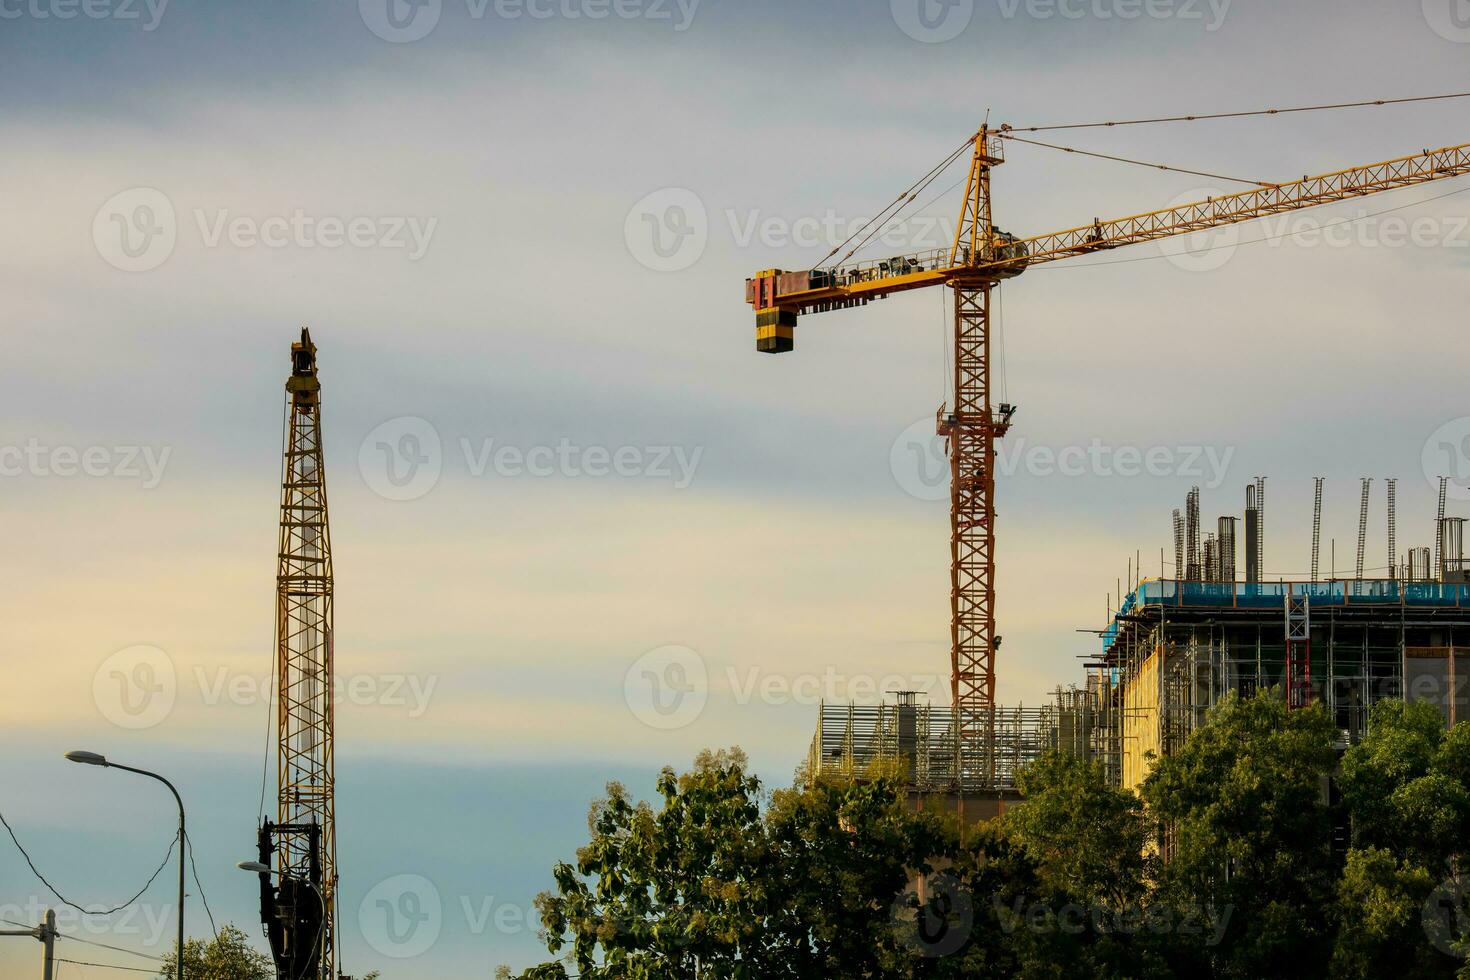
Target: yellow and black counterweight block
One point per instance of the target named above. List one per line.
(774, 330)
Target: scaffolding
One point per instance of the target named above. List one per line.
(1179, 648)
(918, 741)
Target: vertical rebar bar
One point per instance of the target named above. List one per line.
(1393, 524)
(1178, 545)
(1317, 528)
(1191, 536)
(1363, 526)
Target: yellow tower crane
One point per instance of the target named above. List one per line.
(981, 257)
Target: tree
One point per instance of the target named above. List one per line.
(710, 885)
(1242, 808)
(840, 878)
(853, 879)
(1406, 794)
(670, 892)
(1406, 786)
(1089, 838)
(228, 957)
(1380, 926)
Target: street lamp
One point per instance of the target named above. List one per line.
(259, 868)
(93, 759)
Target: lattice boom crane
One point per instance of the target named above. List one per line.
(981, 257)
(298, 900)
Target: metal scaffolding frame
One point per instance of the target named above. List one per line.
(918, 741)
(1167, 663)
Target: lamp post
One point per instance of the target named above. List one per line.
(258, 868)
(93, 759)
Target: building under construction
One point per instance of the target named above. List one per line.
(1177, 646)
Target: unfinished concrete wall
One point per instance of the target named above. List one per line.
(1142, 729)
(1439, 676)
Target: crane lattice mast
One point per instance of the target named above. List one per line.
(298, 902)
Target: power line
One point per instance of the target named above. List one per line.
(106, 966)
(66, 901)
(1234, 115)
(1140, 163)
(93, 942)
(189, 844)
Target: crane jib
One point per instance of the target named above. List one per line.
(780, 297)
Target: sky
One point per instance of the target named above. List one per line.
(561, 478)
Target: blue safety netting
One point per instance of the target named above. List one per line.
(1272, 595)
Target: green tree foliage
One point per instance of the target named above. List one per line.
(229, 957)
(1407, 803)
(1405, 785)
(1243, 814)
(1222, 866)
(1088, 845)
(710, 885)
(1089, 839)
(1380, 902)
